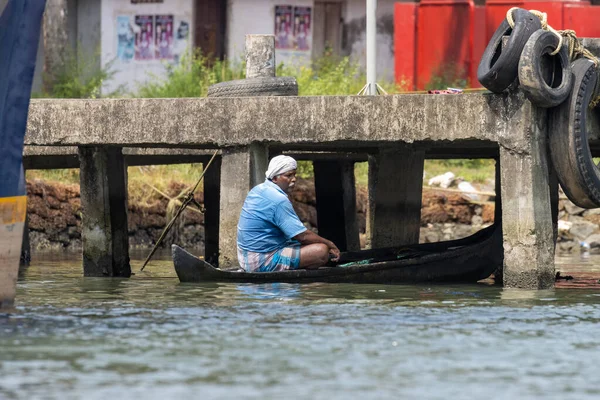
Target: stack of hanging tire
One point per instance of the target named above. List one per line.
(549, 79)
(264, 86)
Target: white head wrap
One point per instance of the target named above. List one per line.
(280, 165)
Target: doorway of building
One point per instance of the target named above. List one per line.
(209, 34)
(327, 33)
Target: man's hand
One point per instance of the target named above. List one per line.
(334, 254)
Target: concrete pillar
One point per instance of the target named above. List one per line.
(103, 182)
(526, 211)
(336, 203)
(395, 196)
(26, 246)
(260, 56)
(212, 195)
(553, 182)
(499, 273)
(56, 39)
(12, 219)
(242, 168)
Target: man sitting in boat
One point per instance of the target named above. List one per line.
(270, 236)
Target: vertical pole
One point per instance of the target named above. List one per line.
(371, 47)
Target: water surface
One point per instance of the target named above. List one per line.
(151, 337)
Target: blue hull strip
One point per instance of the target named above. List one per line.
(20, 25)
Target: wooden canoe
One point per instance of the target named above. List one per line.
(465, 260)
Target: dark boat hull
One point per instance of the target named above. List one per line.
(467, 260)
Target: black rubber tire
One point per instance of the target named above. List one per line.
(569, 146)
(546, 80)
(498, 67)
(275, 86)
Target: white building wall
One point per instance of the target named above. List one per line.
(246, 17)
(132, 67)
(258, 16)
(355, 27)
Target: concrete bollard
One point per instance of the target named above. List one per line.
(260, 56)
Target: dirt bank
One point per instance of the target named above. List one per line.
(54, 212)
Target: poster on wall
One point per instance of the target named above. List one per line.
(181, 40)
(125, 38)
(163, 40)
(283, 27)
(302, 24)
(144, 37)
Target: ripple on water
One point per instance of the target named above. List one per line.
(152, 337)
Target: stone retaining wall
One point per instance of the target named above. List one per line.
(54, 212)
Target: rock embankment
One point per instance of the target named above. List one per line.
(578, 229)
(54, 213)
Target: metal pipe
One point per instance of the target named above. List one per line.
(371, 47)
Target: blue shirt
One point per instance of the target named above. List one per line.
(268, 220)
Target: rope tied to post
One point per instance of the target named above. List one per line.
(566, 37)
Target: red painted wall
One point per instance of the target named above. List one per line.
(449, 36)
(445, 40)
(405, 44)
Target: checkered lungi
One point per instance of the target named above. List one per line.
(278, 260)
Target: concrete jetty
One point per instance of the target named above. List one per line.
(395, 133)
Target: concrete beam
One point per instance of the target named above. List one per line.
(300, 122)
(395, 191)
(103, 182)
(526, 206)
(242, 168)
(336, 203)
(57, 157)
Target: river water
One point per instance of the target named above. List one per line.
(150, 337)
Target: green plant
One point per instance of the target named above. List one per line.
(330, 76)
(191, 77)
(79, 78)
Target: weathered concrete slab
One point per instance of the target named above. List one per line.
(301, 122)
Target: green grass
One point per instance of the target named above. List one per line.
(191, 77)
(474, 171)
(146, 182)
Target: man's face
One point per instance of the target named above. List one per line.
(286, 181)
